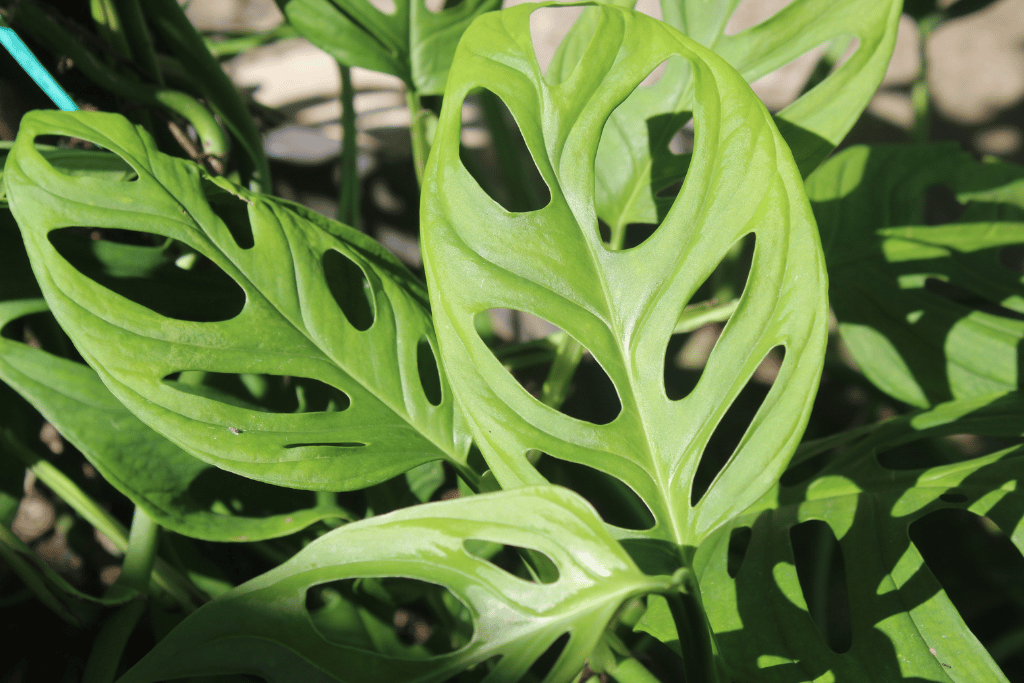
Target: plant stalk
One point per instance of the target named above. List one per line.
(418, 133)
(348, 199)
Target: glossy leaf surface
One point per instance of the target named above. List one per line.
(623, 306)
(263, 628)
(292, 323)
(904, 626)
(413, 43)
(928, 304)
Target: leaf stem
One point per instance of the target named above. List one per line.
(232, 46)
(920, 97)
(700, 656)
(139, 40)
(418, 132)
(136, 570)
(348, 200)
(188, 46)
(168, 579)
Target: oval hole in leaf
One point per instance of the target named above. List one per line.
(350, 289)
(231, 209)
(400, 617)
(822, 574)
(981, 571)
(523, 563)
(507, 173)
(229, 494)
(546, 662)
(731, 428)
(953, 498)
(426, 363)
(739, 541)
(388, 7)
(438, 6)
(260, 392)
(151, 271)
(592, 396)
(924, 453)
(549, 27)
(616, 503)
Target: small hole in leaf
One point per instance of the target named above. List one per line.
(981, 571)
(549, 27)
(822, 574)
(739, 541)
(934, 452)
(953, 498)
(617, 503)
(729, 433)
(426, 364)
(350, 289)
(438, 6)
(701, 323)
(591, 395)
(99, 165)
(386, 6)
(603, 231)
(546, 662)
(509, 174)
(396, 617)
(230, 494)
(231, 209)
(146, 269)
(681, 141)
(655, 76)
(749, 13)
(941, 206)
(264, 393)
(523, 563)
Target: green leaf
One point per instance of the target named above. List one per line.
(412, 43)
(74, 162)
(263, 626)
(320, 303)
(929, 312)
(634, 163)
(904, 625)
(623, 306)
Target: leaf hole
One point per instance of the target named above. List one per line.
(821, 570)
(508, 174)
(981, 571)
(739, 542)
(523, 563)
(232, 210)
(395, 617)
(941, 205)
(547, 661)
(104, 166)
(229, 494)
(282, 394)
(350, 288)
(426, 364)
(730, 431)
(681, 141)
(143, 268)
(387, 7)
(615, 501)
(438, 6)
(953, 498)
(328, 444)
(652, 79)
(549, 27)
(685, 358)
(750, 13)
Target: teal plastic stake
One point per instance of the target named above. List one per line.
(10, 40)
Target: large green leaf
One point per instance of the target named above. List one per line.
(174, 488)
(412, 43)
(623, 306)
(904, 626)
(929, 312)
(263, 627)
(297, 276)
(634, 163)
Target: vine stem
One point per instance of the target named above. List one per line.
(418, 133)
(700, 653)
(136, 569)
(348, 199)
